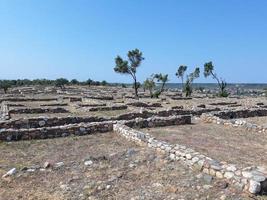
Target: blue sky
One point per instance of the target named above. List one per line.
(80, 38)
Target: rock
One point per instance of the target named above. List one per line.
(228, 175)
(254, 187)
(108, 187)
(207, 187)
(172, 156)
(31, 170)
(223, 197)
(59, 164)
(41, 123)
(219, 174)
(247, 174)
(207, 178)
(231, 168)
(131, 152)
(46, 165)
(88, 163)
(65, 187)
(10, 172)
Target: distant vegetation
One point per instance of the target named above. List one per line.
(60, 82)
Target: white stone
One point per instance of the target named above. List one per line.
(10, 172)
(88, 163)
(254, 187)
(228, 175)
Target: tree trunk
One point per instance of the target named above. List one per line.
(135, 88)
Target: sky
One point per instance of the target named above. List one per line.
(80, 38)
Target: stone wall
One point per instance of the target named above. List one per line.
(235, 123)
(57, 121)
(241, 113)
(55, 131)
(251, 179)
(108, 108)
(37, 110)
(4, 114)
(87, 128)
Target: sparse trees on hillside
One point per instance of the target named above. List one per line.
(209, 71)
(129, 67)
(180, 74)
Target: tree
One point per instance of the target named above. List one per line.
(190, 79)
(104, 83)
(61, 82)
(129, 67)
(74, 82)
(180, 73)
(149, 84)
(163, 79)
(89, 82)
(5, 84)
(209, 71)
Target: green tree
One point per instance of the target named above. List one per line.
(104, 83)
(209, 71)
(74, 82)
(61, 82)
(89, 82)
(129, 67)
(189, 81)
(163, 79)
(5, 84)
(180, 73)
(149, 84)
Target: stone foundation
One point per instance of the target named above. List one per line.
(108, 108)
(37, 110)
(241, 113)
(251, 179)
(87, 128)
(235, 123)
(58, 121)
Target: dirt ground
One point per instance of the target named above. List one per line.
(118, 170)
(257, 120)
(234, 145)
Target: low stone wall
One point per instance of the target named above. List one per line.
(37, 110)
(19, 99)
(4, 114)
(241, 113)
(157, 121)
(91, 104)
(251, 179)
(145, 105)
(108, 108)
(100, 97)
(223, 103)
(87, 128)
(57, 121)
(55, 131)
(235, 123)
(54, 104)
